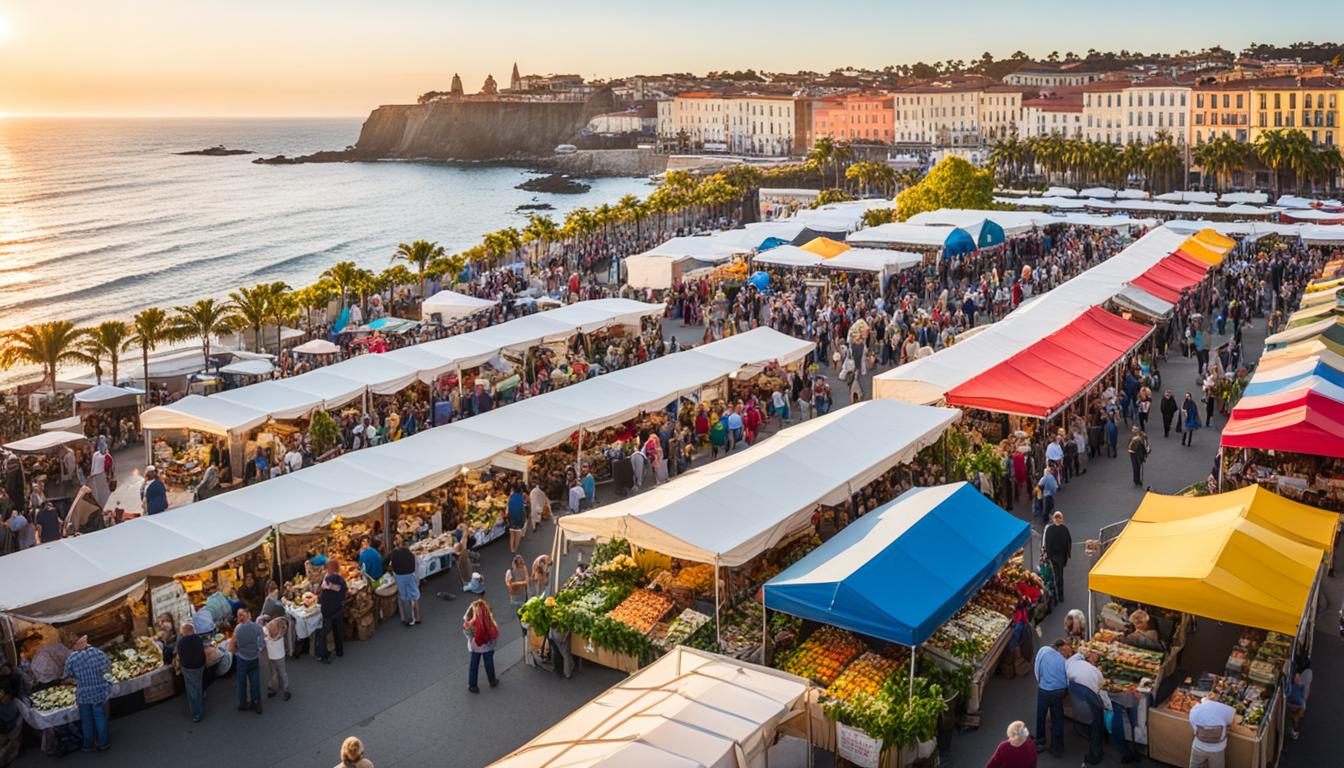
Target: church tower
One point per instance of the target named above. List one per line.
(516, 80)
(457, 85)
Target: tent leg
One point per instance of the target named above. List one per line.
(1222, 462)
(578, 459)
(279, 559)
(718, 636)
(765, 632)
(912, 673)
(555, 561)
(1090, 610)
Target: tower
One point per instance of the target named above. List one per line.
(489, 88)
(457, 85)
(516, 80)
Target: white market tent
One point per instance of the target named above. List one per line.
(1251, 198)
(839, 217)
(1011, 222)
(44, 441)
(108, 396)
(732, 510)
(1101, 193)
(390, 372)
(65, 579)
(659, 267)
(1322, 234)
(1188, 196)
(689, 709)
(928, 379)
(1061, 192)
(1249, 230)
(880, 260)
(1132, 194)
(788, 256)
(1315, 215)
(451, 305)
(68, 424)
(249, 368)
(317, 347)
(756, 233)
(898, 233)
(1293, 201)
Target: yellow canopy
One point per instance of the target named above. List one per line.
(1320, 348)
(1246, 557)
(825, 247)
(1202, 251)
(1325, 285)
(1215, 241)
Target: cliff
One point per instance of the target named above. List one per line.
(475, 129)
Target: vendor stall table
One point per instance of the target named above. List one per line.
(42, 720)
(1170, 738)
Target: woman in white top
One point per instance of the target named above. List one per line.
(98, 475)
(276, 629)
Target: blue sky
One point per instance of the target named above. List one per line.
(309, 57)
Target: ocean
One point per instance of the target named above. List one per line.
(99, 218)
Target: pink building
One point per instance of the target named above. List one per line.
(855, 117)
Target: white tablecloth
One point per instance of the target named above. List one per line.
(303, 625)
(43, 720)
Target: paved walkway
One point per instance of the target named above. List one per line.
(404, 692)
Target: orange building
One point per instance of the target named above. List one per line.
(855, 117)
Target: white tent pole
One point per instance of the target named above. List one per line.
(1091, 608)
(912, 673)
(718, 634)
(578, 459)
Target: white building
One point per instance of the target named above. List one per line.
(1050, 76)
(702, 117)
(1155, 106)
(1061, 116)
(963, 113)
(1104, 111)
(763, 125)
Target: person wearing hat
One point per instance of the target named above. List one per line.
(153, 493)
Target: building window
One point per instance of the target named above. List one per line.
(1263, 99)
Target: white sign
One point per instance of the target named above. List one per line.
(857, 746)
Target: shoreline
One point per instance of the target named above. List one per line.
(552, 164)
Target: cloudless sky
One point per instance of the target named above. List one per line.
(341, 57)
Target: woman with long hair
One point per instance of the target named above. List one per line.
(482, 633)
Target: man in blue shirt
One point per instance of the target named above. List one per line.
(734, 424)
(154, 493)
(589, 486)
(370, 561)
(1049, 486)
(1052, 682)
(86, 666)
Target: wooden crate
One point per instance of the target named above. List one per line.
(162, 689)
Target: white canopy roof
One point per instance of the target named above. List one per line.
(1012, 222)
(71, 581)
(788, 256)
(754, 234)
(1322, 233)
(44, 441)
(317, 347)
(1301, 332)
(824, 460)
(1144, 302)
(1102, 193)
(926, 380)
(1061, 192)
(1132, 194)
(1253, 198)
(215, 415)
(708, 249)
(390, 372)
(1293, 201)
(108, 396)
(68, 424)
(689, 709)
(897, 233)
(838, 217)
(1188, 196)
(873, 260)
(1312, 214)
(248, 368)
(451, 305)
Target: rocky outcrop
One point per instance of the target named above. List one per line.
(594, 163)
(217, 151)
(475, 129)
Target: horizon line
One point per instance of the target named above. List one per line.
(171, 116)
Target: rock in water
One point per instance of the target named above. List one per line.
(555, 184)
(219, 150)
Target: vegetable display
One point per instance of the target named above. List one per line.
(642, 610)
(864, 676)
(824, 655)
(54, 698)
(680, 629)
(970, 633)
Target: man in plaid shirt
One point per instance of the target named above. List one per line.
(87, 666)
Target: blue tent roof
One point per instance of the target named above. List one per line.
(959, 241)
(771, 242)
(990, 234)
(902, 570)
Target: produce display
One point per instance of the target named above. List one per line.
(740, 629)
(484, 512)
(140, 658)
(432, 544)
(697, 578)
(642, 610)
(54, 698)
(1249, 699)
(1122, 664)
(864, 676)
(824, 655)
(680, 629)
(970, 633)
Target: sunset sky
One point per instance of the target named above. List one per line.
(340, 57)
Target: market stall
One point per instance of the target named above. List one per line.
(42, 465)
(1251, 561)
(825, 460)
(688, 708)
(948, 547)
(447, 306)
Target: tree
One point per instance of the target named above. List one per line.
(1164, 161)
(204, 319)
(48, 345)
(1220, 157)
(952, 183)
(281, 308)
(822, 154)
(419, 253)
(150, 328)
(543, 231)
(446, 266)
(869, 174)
(251, 306)
(1271, 148)
(343, 275)
(107, 340)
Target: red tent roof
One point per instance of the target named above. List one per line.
(1169, 277)
(1314, 427)
(1277, 402)
(1046, 375)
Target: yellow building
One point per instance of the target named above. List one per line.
(1220, 109)
(1314, 105)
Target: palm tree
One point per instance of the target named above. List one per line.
(343, 275)
(204, 319)
(822, 154)
(543, 231)
(419, 253)
(150, 328)
(251, 306)
(1271, 149)
(1221, 156)
(48, 345)
(1331, 162)
(1164, 161)
(280, 308)
(1300, 156)
(840, 156)
(107, 340)
(867, 174)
